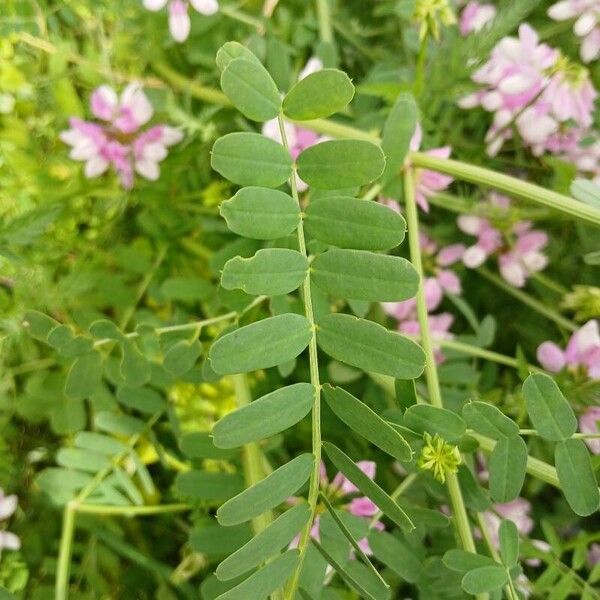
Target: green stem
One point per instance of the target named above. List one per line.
(420, 67)
(251, 454)
(412, 220)
(313, 492)
(575, 436)
(405, 485)
(61, 589)
(242, 17)
(528, 300)
(324, 18)
(461, 519)
(131, 511)
(195, 89)
(516, 188)
(189, 326)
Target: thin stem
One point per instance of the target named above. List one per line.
(508, 588)
(324, 18)
(313, 492)
(528, 300)
(575, 436)
(242, 17)
(405, 485)
(190, 326)
(412, 220)
(420, 67)
(459, 511)
(251, 454)
(61, 589)
(131, 511)
(550, 283)
(512, 186)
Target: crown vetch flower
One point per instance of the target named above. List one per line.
(475, 16)
(179, 19)
(582, 352)
(117, 142)
(587, 23)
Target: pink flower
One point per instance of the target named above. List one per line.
(429, 183)
(589, 422)
(179, 20)
(517, 511)
(337, 490)
(531, 87)
(439, 327)
(594, 555)
(115, 142)
(582, 352)
(475, 16)
(518, 248)
(8, 505)
(587, 13)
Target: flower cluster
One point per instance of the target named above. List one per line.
(439, 457)
(517, 246)
(440, 280)
(582, 352)
(8, 505)
(587, 23)
(533, 89)
(179, 19)
(118, 141)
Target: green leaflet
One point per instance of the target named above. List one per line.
(507, 466)
(488, 420)
(90, 440)
(82, 460)
(349, 578)
(548, 409)
(576, 476)
(363, 275)
(338, 164)
(267, 543)
(199, 444)
(260, 345)
(396, 555)
(232, 50)
(182, 356)
(432, 419)
(484, 579)
(143, 399)
(462, 561)
(251, 159)
(135, 368)
(261, 213)
(268, 493)
(367, 423)
(271, 271)
(84, 376)
(201, 485)
(352, 223)
(508, 535)
(251, 89)
(260, 585)
(367, 487)
(264, 417)
(370, 346)
(318, 95)
(397, 133)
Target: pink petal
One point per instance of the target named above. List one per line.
(551, 357)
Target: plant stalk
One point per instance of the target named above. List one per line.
(313, 492)
(459, 511)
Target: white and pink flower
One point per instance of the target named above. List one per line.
(582, 352)
(117, 142)
(8, 505)
(179, 19)
(587, 23)
(518, 248)
(589, 422)
(475, 16)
